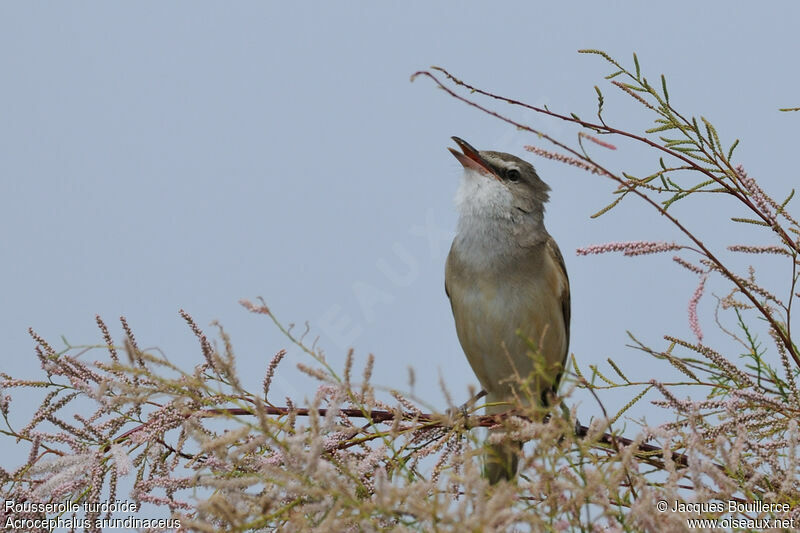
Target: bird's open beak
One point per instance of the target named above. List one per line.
(471, 158)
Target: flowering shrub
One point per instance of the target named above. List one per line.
(218, 457)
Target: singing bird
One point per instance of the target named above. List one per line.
(508, 289)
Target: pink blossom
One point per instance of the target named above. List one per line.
(630, 248)
(694, 322)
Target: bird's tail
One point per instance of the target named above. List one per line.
(501, 461)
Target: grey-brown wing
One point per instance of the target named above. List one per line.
(552, 247)
(448, 271)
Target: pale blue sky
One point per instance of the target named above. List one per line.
(185, 155)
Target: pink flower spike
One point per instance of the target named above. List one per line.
(630, 248)
(694, 322)
(597, 141)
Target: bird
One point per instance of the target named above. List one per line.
(508, 289)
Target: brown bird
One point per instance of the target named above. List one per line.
(508, 289)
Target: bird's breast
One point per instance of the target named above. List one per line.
(508, 315)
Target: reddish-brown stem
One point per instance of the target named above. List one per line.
(428, 421)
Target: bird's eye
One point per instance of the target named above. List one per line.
(512, 174)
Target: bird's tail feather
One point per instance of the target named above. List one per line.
(501, 461)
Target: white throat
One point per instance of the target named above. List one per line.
(483, 197)
(489, 226)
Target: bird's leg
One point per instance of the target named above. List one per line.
(472, 401)
(579, 429)
(466, 406)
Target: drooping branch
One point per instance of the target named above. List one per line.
(632, 187)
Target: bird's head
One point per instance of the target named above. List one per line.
(498, 184)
